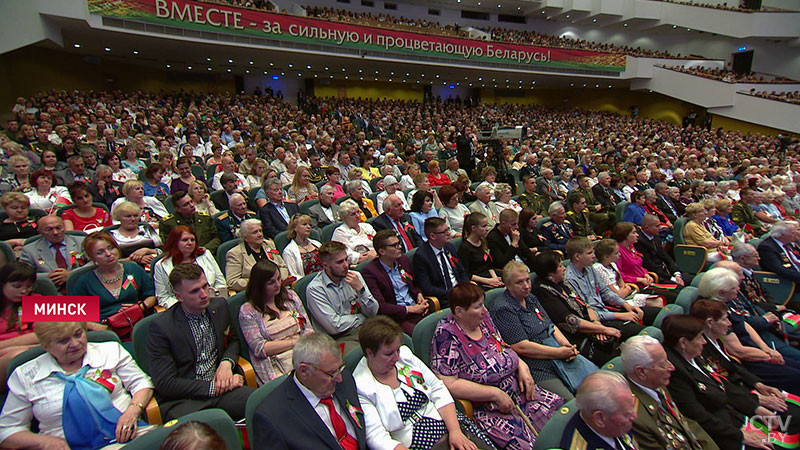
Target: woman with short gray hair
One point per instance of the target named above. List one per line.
(354, 234)
(253, 248)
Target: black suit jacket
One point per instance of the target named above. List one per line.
(271, 219)
(285, 420)
(663, 206)
(172, 352)
(502, 252)
(384, 222)
(654, 258)
(773, 259)
(605, 197)
(428, 271)
(700, 398)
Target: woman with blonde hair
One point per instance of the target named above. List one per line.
(256, 173)
(354, 234)
(19, 225)
(18, 180)
(301, 188)
(694, 233)
(198, 191)
(152, 209)
(301, 254)
(291, 169)
(136, 241)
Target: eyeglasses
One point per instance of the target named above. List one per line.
(333, 375)
(445, 231)
(397, 244)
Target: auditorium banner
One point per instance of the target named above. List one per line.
(223, 18)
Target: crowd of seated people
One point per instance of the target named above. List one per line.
(789, 97)
(341, 15)
(730, 76)
(444, 240)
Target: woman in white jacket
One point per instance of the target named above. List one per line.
(405, 405)
(181, 248)
(300, 254)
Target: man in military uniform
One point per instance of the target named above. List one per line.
(186, 214)
(557, 231)
(594, 210)
(228, 222)
(316, 171)
(605, 415)
(659, 424)
(742, 213)
(530, 198)
(578, 216)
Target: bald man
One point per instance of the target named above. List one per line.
(57, 253)
(606, 412)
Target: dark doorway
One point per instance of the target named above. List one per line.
(743, 61)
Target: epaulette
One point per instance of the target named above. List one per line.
(547, 224)
(567, 221)
(251, 212)
(570, 212)
(167, 217)
(203, 213)
(223, 216)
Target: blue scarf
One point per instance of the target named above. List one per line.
(89, 419)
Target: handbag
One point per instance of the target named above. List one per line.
(122, 321)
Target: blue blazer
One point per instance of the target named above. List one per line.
(634, 214)
(285, 420)
(271, 219)
(428, 272)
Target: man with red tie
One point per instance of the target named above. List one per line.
(315, 407)
(394, 218)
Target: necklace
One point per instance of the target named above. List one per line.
(110, 280)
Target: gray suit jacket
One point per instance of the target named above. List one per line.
(39, 255)
(318, 217)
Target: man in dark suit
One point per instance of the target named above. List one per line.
(394, 218)
(654, 258)
(779, 251)
(504, 241)
(664, 204)
(275, 215)
(326, 211)
(192, 360)
(604, 195)
(436, 266)
(316, 407)
(57, 253)
(75, 172)
(659, 423)
(547, 187)
(391, 270)
(104, 189)
(596, 425)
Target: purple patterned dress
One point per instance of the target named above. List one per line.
(489, 361)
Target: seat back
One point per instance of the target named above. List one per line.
(342, 199)
(677, 230)
(281, 240)
(492, 296)
(410, 254)
(210, 171)
(615, 365)
(619, 211)
(457, 243)
(667, 310)
(696, 279)
(75, 275)
(7, 252)
(653, 332)
(327, 231)
(234, 304)
(222, 252)
(169, 205)
(373, 183)
(306, 205)
(300, 288)
(686, 297)
(780, 289)
(255, 399)
(363, 264)
(139, 338)
(44, 286)
(423, 335)
(550, 435)
(216, 418)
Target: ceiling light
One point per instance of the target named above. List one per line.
(230, 61)
(168, 66)
(291, 65)
(76, 45)
(342, 69)
(315, 75)
(609, 86)
(208, 59)
(688, 29)
(271, 64)
(229, 70)
(299, 74)
(265, 72)
(480, 78)
(136, 52)
(190, 67)
(518, 9)
(543, 11)
(594, 20)
(247, 71)
(567, 16)
(624, 24)
(674, 26)
(346, 77)
(597, 85)
(572, 85)
(251, 63)
(584, 84)
(326, 67)
(283, 73)
(108, 49)
(360, 70)
(376, 72)
(308, 67)
(209, 68)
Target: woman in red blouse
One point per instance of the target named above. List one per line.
(436, 177)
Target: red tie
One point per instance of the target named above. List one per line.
(60, 261)
(403, 234)
(342, 436)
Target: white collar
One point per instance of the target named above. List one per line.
(651, 392)
(48, 364)
(610, 441)
(310, 396)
